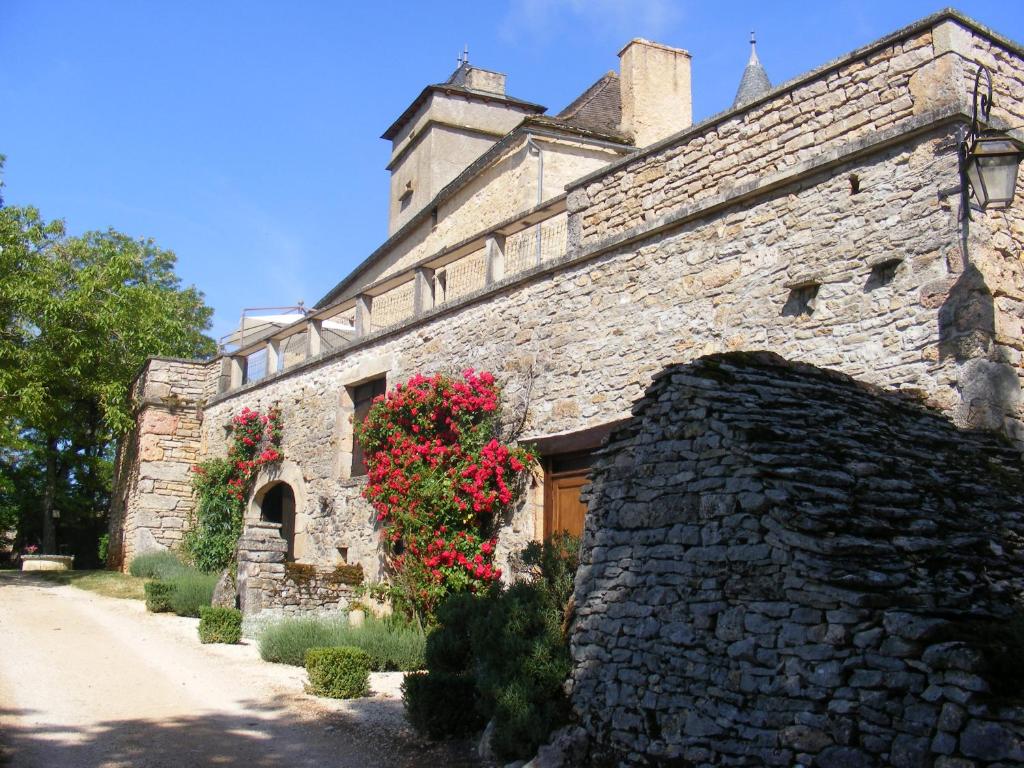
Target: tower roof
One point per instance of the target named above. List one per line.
(755, 82)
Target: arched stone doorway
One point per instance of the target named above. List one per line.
(277, 505)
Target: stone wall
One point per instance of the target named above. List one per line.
(152, 497)
(782, 566)
(269, 587)
(869, 222)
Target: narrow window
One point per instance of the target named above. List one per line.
(362, 399)
(802, 300)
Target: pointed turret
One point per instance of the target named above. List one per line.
(755, 82)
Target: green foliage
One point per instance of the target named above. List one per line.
(440, 704)
(522, 660)
(286, 641)
(79, 316)
(390, 645)
(340, 673)
(103, 547)
(158, 596)
(161, 565)
(210, 540)
(449, 645)
(220, 625)
(222, 485)
(511, 647)
(191, 591)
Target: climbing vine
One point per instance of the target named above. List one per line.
(440, 480)
(222, 485)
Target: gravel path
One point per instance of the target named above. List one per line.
(94, 682)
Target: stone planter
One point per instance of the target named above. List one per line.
(47, 562)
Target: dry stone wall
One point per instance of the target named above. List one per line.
(781, 566)
(269, 587)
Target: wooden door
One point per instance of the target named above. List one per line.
(567, 510)
(564, 478)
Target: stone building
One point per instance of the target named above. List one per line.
(576, 255)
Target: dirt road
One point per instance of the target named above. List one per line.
(94, 682)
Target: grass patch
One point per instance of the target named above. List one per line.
(106, 583)
(389, 644)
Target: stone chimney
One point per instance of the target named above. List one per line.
(655, 88)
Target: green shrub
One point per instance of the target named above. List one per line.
(191, 590)
(287, 641)
(159, 565)
(103, 548)
(439, 704)
(340, 673)
(510, 647)
(391, 644)
(219, 625)
(158, 596)
(522, 661)
(448, 647)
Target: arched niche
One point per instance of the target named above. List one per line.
(280, 497)
(277, 505)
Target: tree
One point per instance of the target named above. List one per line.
(79, 317)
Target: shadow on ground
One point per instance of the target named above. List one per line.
(251, 741)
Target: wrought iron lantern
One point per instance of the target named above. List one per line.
(989, 159)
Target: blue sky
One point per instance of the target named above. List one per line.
(244, 135)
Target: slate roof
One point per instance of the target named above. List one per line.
(597, 109)
(755, 82)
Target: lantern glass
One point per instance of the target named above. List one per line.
(992, 170)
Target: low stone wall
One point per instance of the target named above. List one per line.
(781, 566)
(269, 586)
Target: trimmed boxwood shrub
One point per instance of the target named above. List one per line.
(158, 596)
(340, 673)
(219, 625)
(441, 704)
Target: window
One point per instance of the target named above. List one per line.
(405, 198)
(362, 398)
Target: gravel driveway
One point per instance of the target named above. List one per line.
(88, 681)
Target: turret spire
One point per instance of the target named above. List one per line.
(755, 82)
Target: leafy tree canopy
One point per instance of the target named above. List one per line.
(78, 317)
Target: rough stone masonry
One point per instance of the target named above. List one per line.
(782, 566)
